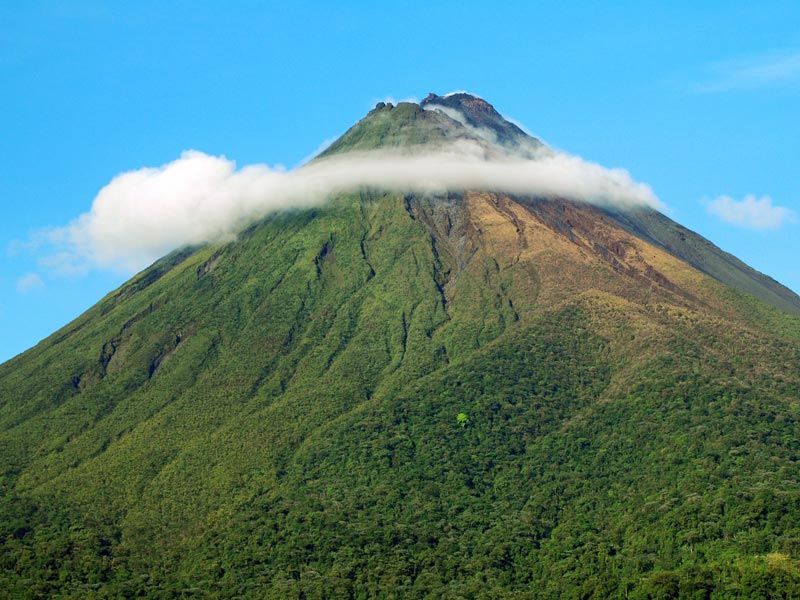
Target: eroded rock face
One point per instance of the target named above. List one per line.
(479, 113)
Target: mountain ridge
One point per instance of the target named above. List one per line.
(436, 121)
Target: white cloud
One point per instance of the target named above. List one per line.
(750, 212)
(141, 215)
(29, 282)
(769, 70)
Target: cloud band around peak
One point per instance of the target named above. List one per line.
(143, 214)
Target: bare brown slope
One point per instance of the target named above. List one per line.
(545, 252)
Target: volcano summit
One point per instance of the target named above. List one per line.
(451, 362)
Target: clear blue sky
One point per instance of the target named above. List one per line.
(699, 100)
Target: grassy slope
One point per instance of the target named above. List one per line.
(214, 373)
(279, 414)
(574, 477)
(400, 126)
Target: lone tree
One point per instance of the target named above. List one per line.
(463, 419)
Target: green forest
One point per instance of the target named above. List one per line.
(339, 404)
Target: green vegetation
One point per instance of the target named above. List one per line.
(388, 398)
(390, 126)
(274, 418)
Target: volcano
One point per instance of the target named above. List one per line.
(461, 393)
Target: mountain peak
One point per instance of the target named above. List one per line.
(476, 112)
(471, 105)
(404, 393)
(435, 121)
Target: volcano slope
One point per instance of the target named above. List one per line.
(455, 395)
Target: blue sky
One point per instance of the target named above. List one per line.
(698, 100)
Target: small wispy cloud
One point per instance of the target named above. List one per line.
(395, 101)
(455, 92)
(319, 150)
(750, 212)
(17, 247)
(29, 282)
(773, 69)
